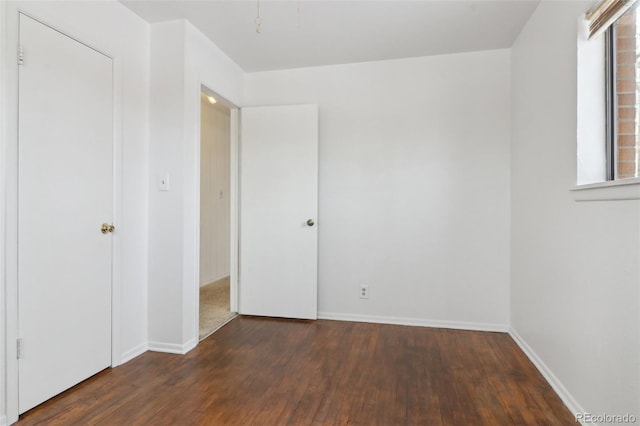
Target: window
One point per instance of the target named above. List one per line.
(622, 49)
(619, 20)
(608, 103)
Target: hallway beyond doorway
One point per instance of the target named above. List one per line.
(214, 307)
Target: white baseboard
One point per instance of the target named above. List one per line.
(416, 322)
(173, 348)
(211, 281)
(3, 420)
(555, 383)
(134, 352)
(191, 344)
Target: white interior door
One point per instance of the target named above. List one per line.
(278, 211)
(65, 191)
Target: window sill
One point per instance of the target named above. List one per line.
(619, 190)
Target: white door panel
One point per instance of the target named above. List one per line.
(278, 194)
(65, 193)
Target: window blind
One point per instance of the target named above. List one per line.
(602, 15)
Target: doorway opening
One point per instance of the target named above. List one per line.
(215, 308)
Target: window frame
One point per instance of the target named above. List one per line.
(611, 105)
(597, 177)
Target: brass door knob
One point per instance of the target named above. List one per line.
(107, 228)
(310, 222)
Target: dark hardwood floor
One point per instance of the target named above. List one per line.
(258, 371)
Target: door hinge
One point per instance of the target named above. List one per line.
(20, 55)
(19, 348)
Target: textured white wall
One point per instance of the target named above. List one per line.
(575, 270)
(165, 208)
(414, 185)
(181, 60)
(215, 143)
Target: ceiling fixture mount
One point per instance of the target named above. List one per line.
(211, 99)
(258, 17)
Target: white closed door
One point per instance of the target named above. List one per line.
(278, 211)
(65, 192)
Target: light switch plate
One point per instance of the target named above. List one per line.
(163, 183)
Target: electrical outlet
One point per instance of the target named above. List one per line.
(364, 291)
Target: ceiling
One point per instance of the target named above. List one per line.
(344, 31)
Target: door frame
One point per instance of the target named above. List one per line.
(9, 214)
(234, 136)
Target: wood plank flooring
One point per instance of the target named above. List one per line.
(259, 371)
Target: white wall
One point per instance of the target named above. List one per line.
(181, 60)
(165, 208)
(113, 29)
(575, 271)
(414, 185)
(215, 143)
(4, 133)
